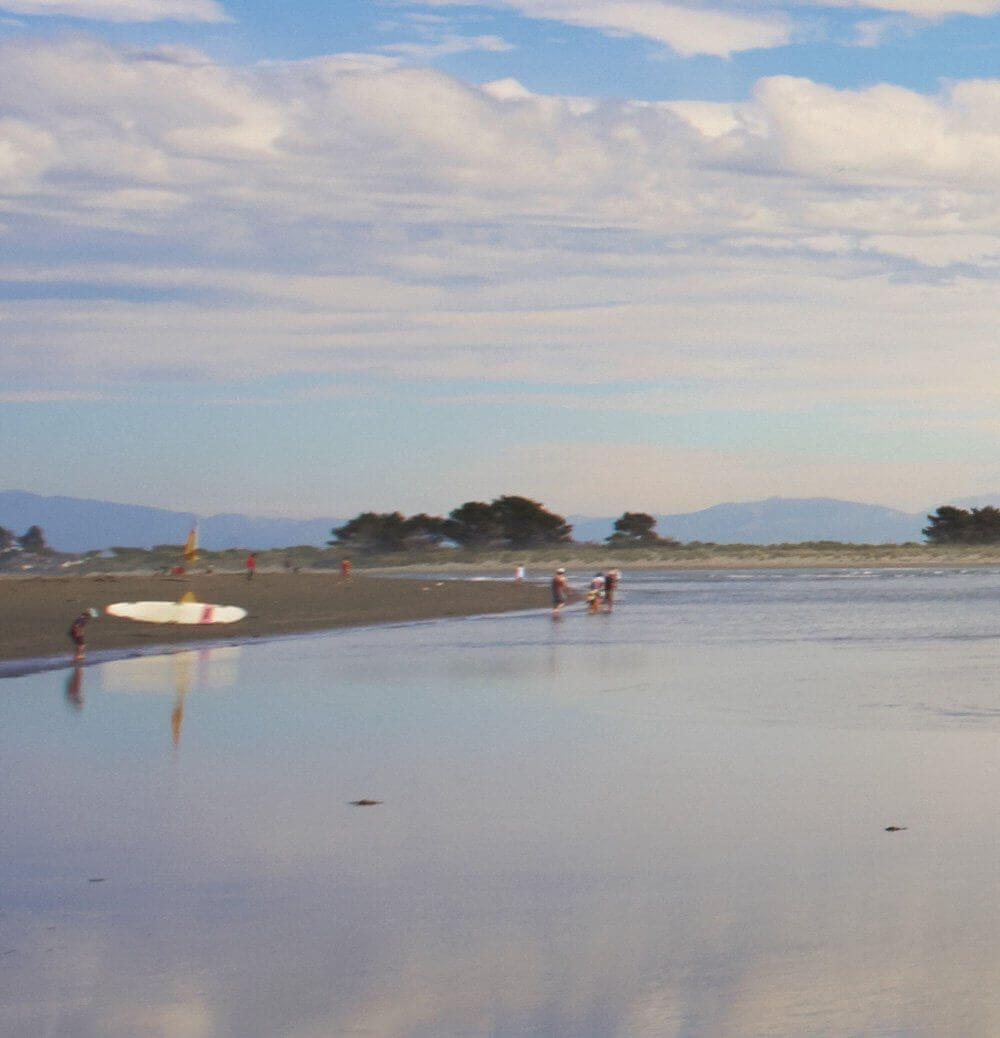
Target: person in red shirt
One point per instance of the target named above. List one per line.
(251, 565)
(345, 569)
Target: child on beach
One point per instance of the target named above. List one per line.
(596, 595)
(76, 632)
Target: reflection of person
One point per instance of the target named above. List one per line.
(560, 590)
(76, 632)
(251, 565)
(345, 569)
(74, 688)
(176, 720)
(610, 583)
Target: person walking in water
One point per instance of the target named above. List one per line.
(76, 633)
(251, 565)
(610, 583)
(560, 591)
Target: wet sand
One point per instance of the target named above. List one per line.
(35, 612)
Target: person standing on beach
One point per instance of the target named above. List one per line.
(519, 574)
(251, 565)
(76, 633)
(560, 590)
(345, 570)
(610, 583)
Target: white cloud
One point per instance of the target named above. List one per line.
(353, 215)
(122, 10)
(687, 28)
(873, 32)
(449, 43)
(725, 27)
(933, 9)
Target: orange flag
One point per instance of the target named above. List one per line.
(191, 545)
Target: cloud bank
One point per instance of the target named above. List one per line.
(167, 216)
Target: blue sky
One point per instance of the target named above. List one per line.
(316, 258)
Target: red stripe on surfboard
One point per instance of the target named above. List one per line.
(206, 614)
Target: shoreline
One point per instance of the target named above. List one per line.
(35, 612)
(721, 557)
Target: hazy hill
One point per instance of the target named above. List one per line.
(80, 524)
(778, 520)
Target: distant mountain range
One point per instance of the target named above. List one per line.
(778, 520)
(74, 524)
(788, 520)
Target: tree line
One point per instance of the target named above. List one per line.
(509, 521)
(32, 540)
(950, 525)
(518, 522)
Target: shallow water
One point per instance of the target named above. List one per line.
(669, 820)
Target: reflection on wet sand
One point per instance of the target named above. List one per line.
(183, 672)
(615, 829)
(74, 688)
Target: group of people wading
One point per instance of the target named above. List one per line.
(600, 594)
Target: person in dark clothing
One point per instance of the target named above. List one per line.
(76, 632)
(610, 583)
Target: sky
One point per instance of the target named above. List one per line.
(318, 258)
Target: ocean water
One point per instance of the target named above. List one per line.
(666, 821)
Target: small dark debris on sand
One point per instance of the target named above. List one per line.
(365, 803)
(96, 879)
(894, 828)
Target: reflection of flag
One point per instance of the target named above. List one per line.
(191, 544)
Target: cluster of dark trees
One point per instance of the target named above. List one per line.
(510, 521)
(505, 522)
(635, 530)
(32, 540)
(950, 525)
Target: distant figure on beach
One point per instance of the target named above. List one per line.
(596, 594)
(560, 590)
(610, 583)
(251, 565)
(345, 569)
(519, 574)
(76, 632)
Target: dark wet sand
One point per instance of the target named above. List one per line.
(35, 612)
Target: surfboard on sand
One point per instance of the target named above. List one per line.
(176, 612)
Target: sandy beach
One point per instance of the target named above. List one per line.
(35, 612)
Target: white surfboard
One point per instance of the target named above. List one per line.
(176, 612)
